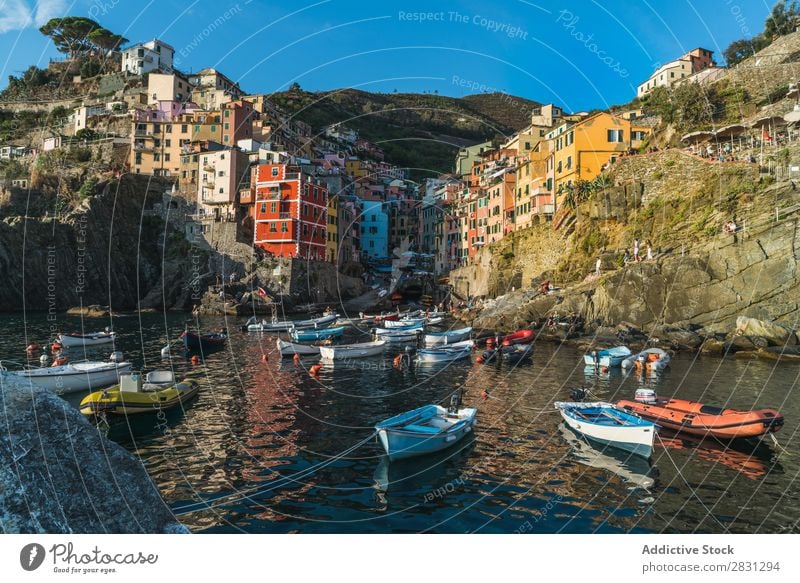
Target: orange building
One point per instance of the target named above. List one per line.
(290, 212)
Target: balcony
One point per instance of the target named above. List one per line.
(546, 209)
(142, 134)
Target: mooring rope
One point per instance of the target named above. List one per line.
(256, 491)
(778, 445)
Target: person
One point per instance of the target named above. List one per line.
(597, 266)
(232, 277)
(649, 250)
(636, 250)
(545, 287)
(627, 257)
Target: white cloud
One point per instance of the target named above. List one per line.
(19, 14)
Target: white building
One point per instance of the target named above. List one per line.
(145, 57)
(221, 175)
(167, 87)
(670, 73)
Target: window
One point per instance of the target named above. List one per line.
(226, 125)
(615, 136)
(263, 207)
(305, 229)
(184, 128)
(221, 173)
(227, 114)
(213, 128)
(569, 162)
(284, 227)
(274, 171)
(167, 143)
(166, 157)
(156, 157)
(196, 129)
(273, 228)
(273, 207)
(168, 128)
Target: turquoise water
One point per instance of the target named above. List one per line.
(256, 423)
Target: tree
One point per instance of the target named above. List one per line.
(738, 51)
(70, 33)
(782, 20)
(106, 40)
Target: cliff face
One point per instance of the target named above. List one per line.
(107, 251)
(700, 275)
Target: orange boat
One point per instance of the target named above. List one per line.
(704, 420)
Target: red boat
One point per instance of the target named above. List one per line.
(518, 337)
(704, 420)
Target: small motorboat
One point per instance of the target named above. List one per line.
(308, 334)
(72, 377)
(448, 337)
(704, 420)
(516, 352)
(194, 341)
(253, 325)
(158, 391)
(433, 320)
(425, 430)
(445, 353)
(518, 337)
(75, 339)
(650, 360)
(360, 350)
(399, 334)
(610, 357)
(609, 425)
(290, 349)
(410, 323)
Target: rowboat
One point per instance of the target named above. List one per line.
(75, 339)
(609, 357)
(194, 341)
(448, 337)
(516, 352)
(608, 425)
(652, 359)
(399, 334)
(254, 325)
(425, 430)
(445, 353)
(433, 320)
(290, 349)
(410, 323)
(309, 335)
(705, 420)
(73, 377)
(360, 350)
(132, 396)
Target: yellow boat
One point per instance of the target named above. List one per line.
(159, 392)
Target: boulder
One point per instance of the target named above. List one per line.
(737, 343)
(713, 347)
(774, 334)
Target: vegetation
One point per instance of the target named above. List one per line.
(77, 36)
(781, 21)
(88, 188)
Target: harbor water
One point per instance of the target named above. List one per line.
(258, 450)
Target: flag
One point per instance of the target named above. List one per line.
(262, 292)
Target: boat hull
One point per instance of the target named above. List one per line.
(448, 337)
(309, 335)
(658, 365)
(70, 341)
(401, 444)
(443, 355)
(194, 341)
(409, 323)
(290, 349)
(67, 379)
(353, 351)
(611, 357)
(636, 438)
(116, 402)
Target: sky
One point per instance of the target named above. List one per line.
(581, 54)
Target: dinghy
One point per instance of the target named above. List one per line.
(134, 396)
(609, 357)
(253, 325)
(290, 349)
(448, 337)
(75, 339)
(425, 430)
(73, 377)
(399, 334)
(194, 341)
(608, 425)
(360, 350)
(516, 352)
(704, 420)
(651, 360)
(308, 335)
(445, 353)
(401, 324)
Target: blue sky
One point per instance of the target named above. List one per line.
(581, 54)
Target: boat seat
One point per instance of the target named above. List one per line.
(160, 376)
(422, 428)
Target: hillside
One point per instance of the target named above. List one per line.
(420, 131)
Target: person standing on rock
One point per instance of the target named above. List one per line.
(636, 250)
(597, 266)
(649, 246)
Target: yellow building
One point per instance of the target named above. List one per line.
(582, 150)
(156, 146)
(332, 244)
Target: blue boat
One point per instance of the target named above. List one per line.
(425, 430)
(608, 425)
(448, 337)
(200, 342)
(309, 335)
(609, 357)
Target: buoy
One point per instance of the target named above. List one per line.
(397, 360)
(32, 347)
(485, 394)
(195, 359)
(61, 360)
(296, 359)
(264, 358)
(55, 346)
(604, 369)
(480, 360)
(314, 370)
(43, 359)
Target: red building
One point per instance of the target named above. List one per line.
(291, 210)
(237, 122)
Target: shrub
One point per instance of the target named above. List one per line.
(88, 188)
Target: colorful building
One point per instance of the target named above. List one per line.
(670, 73)
(222, 173)
(237, 122)
(374, 229)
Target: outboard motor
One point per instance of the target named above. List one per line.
(578, 394)
(646, 396)
(44, 360)
(116, 356)
(455, 403)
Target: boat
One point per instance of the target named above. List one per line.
(704, 420)
(309, 334)
(425, 430)
(360, 350)
(399, 334)
(445, 353)
(448, 337)
(516, 352)
(158, 392)
(410, 323)
(631, 468)
(290, 349)
(609, 425)
(75, 339)
(194, 341)
(518, 337)
(652, 360)
(433, 320)
(253, 325)
(609, 357)
(73, 377)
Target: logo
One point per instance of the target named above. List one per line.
(31, 556)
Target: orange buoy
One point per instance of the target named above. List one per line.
(604, 369)
(397, 360)
(55, 346)
(296, 359)
(480, 360)
(264, 358)
(195, 359)
(60, 361)
(314, 370)
(32, 347)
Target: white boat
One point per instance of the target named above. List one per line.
(73, 377)
(425, 430)
(290, 348)
(607, 425)
(409, 323)
(652, 360)
(433, 320)
(94, 339)
(360, 350)
(448, 337)
(609, 357)
(446, 353)
(253, 325)
(399, 334)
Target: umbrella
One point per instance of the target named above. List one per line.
(793, 117)
(697, 137)
(768, 122)
(730, 131)
(794, 91)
